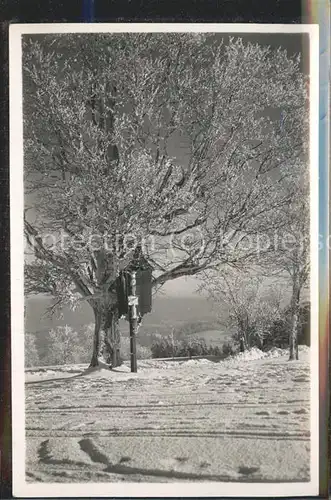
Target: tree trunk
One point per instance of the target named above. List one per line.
(111, 337)
(242, 334)
(243, 342)
(96, 338)
(295, 309)
(107, 340)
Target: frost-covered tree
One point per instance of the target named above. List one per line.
(31, 357)
(253, 304)
(297, 262)
(65, 346)
(289, 254)
(174, 139)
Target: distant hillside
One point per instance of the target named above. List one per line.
(212, 337)
(167, 312)
(182, 315)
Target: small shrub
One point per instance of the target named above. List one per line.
(166, 347)
(65, 345)
(30, 351)
(142, 351)
(278, 333)
(216, 351)
(229, 349)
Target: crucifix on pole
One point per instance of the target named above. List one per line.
(134, 294)
(133, 319)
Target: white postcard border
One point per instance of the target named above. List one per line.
(20, 487)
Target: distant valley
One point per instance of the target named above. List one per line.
(169, 314)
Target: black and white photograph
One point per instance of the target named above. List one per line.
(164, 242)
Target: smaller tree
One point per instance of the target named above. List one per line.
(253, 304)
(65, 346)
(296, 262)
(289, 253)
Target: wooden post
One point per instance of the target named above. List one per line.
(133, 318)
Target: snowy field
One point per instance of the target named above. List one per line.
(243, 419)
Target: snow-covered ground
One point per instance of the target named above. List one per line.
(243, 419)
